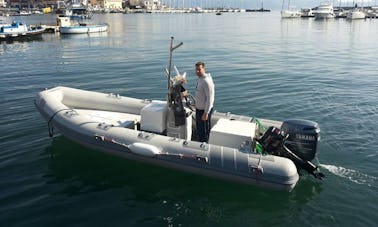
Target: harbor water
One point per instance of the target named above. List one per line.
(262, 66)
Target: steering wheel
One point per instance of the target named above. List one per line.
(190, 102)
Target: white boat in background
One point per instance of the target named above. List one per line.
(289, 12)
(77, 12)
(25, 13)
(355, 14)
(244, 149)
(307, 12)
(19, 30)
(324, 11)
(82, 28)
(67, 26)
(75, 9)
(339, 13)
(372, 12)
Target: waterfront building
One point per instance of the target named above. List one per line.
(109, 4)
(146, 4)
(103, 4)
(19, 4)
(29, 4)
(152, 4)
(3, 3)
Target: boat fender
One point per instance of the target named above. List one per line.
(144, 149)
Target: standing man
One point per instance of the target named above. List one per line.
(205, 93)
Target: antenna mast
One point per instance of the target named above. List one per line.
(171, 49)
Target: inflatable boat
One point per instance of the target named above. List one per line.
(243, 149)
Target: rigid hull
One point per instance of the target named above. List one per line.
(83, 28)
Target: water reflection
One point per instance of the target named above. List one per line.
(84, 35)
(17, 45)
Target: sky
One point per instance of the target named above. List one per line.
(268, 4)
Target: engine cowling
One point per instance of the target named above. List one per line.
(302, 137)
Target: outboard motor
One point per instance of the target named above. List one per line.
(303, 137)
(297, 140)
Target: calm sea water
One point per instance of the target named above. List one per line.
(325, 71)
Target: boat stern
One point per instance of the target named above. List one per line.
(273, 172)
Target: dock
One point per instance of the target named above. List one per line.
(51, 28)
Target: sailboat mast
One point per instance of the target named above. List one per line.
(282, 7)
(171, 49)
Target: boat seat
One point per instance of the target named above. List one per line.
(118, 119)
(233, 133)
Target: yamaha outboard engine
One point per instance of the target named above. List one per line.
(303, 136)
(296, 140)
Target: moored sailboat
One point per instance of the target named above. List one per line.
(289, 12)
